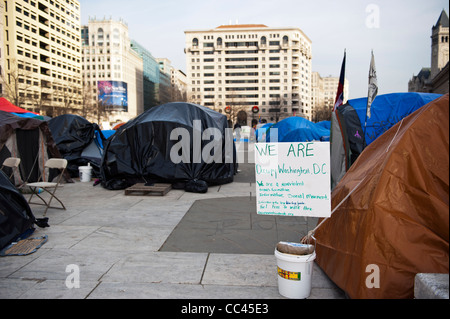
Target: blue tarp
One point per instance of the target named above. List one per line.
(297, 129)
(106, 134)
(325, 124)
(29, 115)
(388, 109)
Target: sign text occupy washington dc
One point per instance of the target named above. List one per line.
(293, 179)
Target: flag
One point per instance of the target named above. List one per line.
(340, 92)
(373, 86)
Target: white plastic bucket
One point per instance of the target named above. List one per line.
(294, 274)
(85, 173)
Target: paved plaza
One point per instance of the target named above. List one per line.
(129, 247)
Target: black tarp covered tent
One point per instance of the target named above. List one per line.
(74, 134)
(16, 217)
(170, 143)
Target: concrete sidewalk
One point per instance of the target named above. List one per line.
(114, 240)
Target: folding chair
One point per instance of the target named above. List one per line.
(12, 163)
(49, 187)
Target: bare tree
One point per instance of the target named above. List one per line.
(17, 83)
(322, 113)
(41, 99)
(91, 109)
(277, 105)
(235, 104)
(176, 95)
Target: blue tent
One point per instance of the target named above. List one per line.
(350, 135)
(325, 124)
(387, 110)
(297, 129)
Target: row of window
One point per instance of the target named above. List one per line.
(244, 36)
(243, 66)
(103, 75)
(296, 53)
(263, 88)
(262, 41)
(239, 66)
(275, 103)
(274, 73)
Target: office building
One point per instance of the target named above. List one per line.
(112, 71)
(324, 90)
(2, 49)
(40, 55)
(151, 74)
(250, 72)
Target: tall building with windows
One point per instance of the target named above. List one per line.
(112, 70)
(324, 90)
(165, 68)
(233, 68)
(40, 54)
(2, 49)
(151, 75)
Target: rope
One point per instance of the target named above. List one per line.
(310, 235)
(387, 150)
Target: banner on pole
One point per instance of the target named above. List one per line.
(293, 179)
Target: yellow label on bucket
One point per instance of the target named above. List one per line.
(289, 275)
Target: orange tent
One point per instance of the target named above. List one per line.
(116, 127)
(395, 224)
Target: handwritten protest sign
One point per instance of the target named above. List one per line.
(293, 179)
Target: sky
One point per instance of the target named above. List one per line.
(398, 31)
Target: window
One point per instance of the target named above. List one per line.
(100, 36)
(263, 41)
(195, 42)
(116, 35)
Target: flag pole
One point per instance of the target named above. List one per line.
(340, 91)
(371, 94)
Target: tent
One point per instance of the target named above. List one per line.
(7, 106)
(29, 139)
(325, 124)
(16, 217)
(170, 143)
(297, 129)
(350, 135)
(79, 142)
(395, 221)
